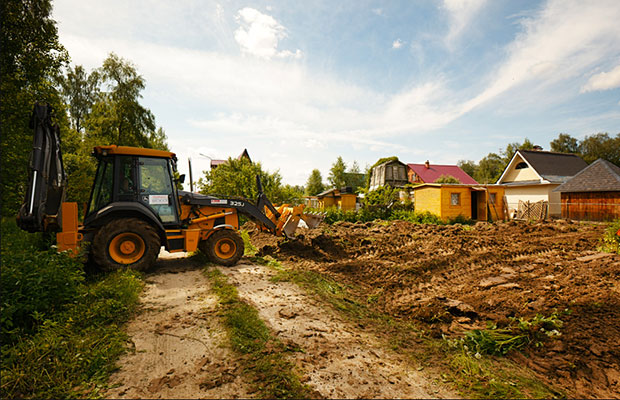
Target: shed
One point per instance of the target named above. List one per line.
(477, 202)
(343, 198)
(532, 175)
(593, 194)
(392, 173)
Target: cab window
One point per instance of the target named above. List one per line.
(156, 187)
(102, 189)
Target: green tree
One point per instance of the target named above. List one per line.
(512, 148)
(354, 177)
(490, 168)
(31, 59)
(118, 117)
(80, 91)
(447, 179)
(158, 140)
(565, 143)
(468, 166)
(601, 145)
(238, 178)
(336, 176)
(314, 185)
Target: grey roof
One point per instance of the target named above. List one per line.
(553, 166)
(600, 176)
(325, 193)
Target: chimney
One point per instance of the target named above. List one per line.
(537, 148)
(427, 165)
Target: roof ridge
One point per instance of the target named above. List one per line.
(609, 165)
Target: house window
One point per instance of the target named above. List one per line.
(492, 198)
(521, 165)
(455, 199)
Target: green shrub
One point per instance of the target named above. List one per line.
(611, 238)
(73, 352)
(416, 217)
(35, 283)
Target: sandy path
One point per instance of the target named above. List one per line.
(179, 343)
(339, 360)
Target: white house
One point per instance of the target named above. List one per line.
(532, 175)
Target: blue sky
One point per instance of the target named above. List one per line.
(300, 83)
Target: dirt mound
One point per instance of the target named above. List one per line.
(455, 278)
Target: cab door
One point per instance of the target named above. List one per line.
(156, 188)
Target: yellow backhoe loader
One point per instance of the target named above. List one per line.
(135, 207)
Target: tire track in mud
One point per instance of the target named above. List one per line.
(338, 359)
(180, 349)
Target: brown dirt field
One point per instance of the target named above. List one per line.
(450, 279)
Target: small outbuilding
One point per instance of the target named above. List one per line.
(477, 202)
(392, 173)
(343, 198)
(593, 194)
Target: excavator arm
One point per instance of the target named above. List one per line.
(282, 220)
(47, 180)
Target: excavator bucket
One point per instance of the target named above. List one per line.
(289, 218)
(313, 219)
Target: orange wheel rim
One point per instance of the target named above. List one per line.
(127, 248)
(225, 248)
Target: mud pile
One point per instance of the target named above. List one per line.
(456, 278)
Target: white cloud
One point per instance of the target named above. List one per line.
(603, 81)
(378, 11)
(259, 35)
(397, 44)
(461, 13)
(560, 43)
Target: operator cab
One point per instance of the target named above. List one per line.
(135, 175)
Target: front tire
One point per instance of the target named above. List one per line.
(224, 247)
(126, 242)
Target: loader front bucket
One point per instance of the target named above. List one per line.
(289, 219)
(313, 219)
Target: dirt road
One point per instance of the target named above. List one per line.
(338, 359)
(180, 349)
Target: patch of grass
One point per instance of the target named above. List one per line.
(326, 288)
(268, 261)
(272, 374)
(61, 331)
(73, 353)
(250, 249)
(493, 378)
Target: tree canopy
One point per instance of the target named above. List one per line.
(237, 178)
(314, 185)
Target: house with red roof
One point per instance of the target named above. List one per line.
(429, 173)
(217, 163)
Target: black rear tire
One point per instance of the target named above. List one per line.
(224, 247)
(126, 242)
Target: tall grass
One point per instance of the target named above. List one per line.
(60, 331)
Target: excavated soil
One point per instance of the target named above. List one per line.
(178, 347)
(450, 279)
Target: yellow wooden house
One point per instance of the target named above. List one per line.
(477, 202)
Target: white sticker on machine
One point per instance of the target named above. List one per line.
(158, 199)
